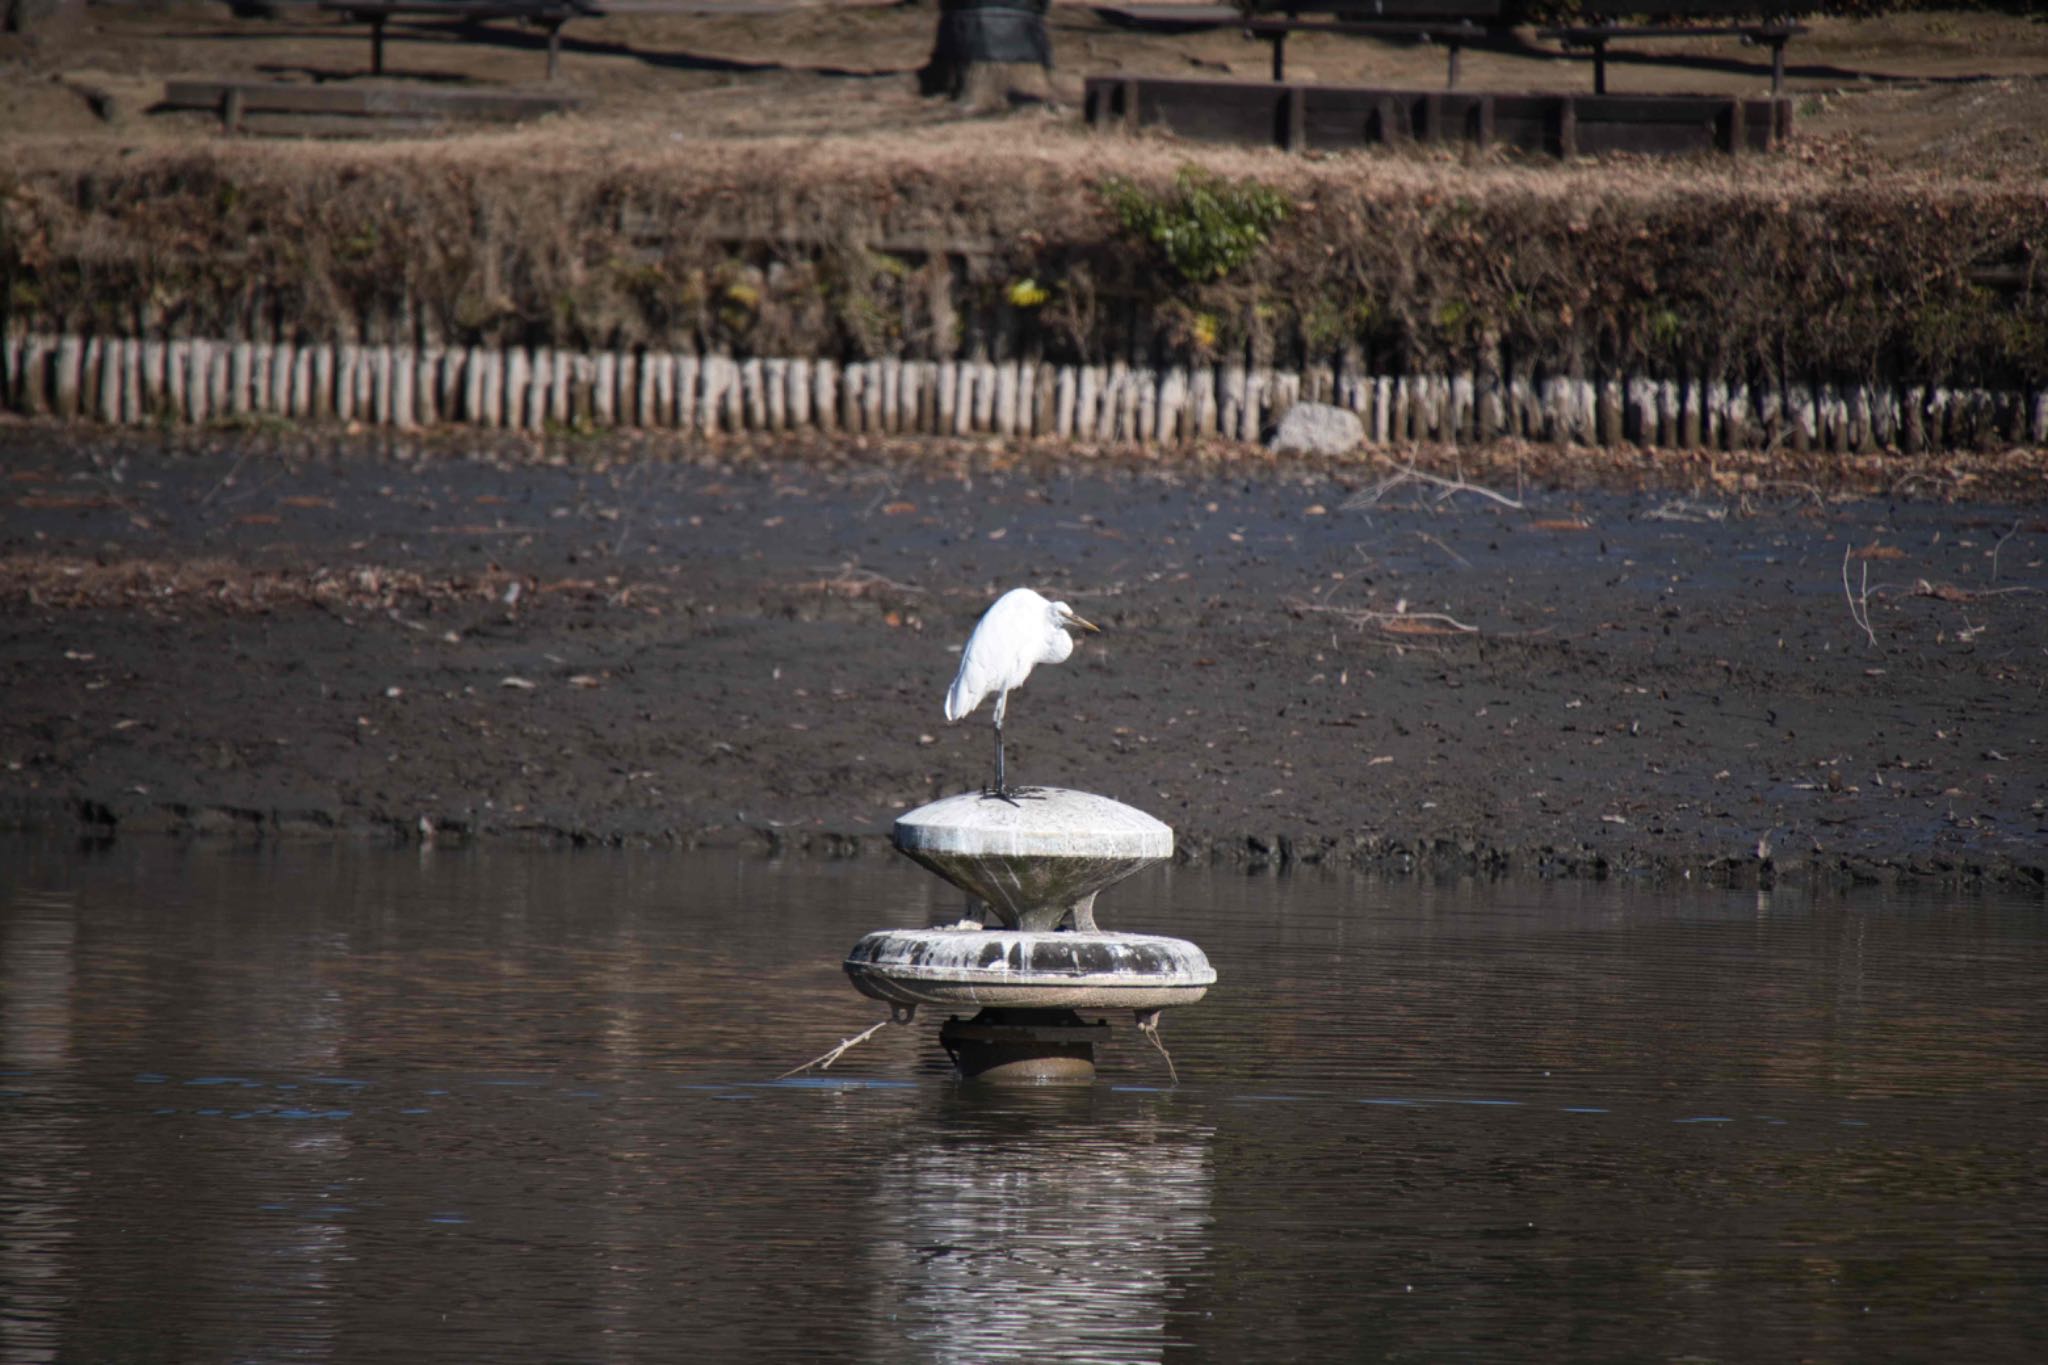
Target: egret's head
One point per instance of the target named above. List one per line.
(1063, 615)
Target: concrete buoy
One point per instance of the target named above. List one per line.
(1035, 863)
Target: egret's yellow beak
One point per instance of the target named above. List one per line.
(1073, 620)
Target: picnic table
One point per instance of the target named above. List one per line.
(544, 14)
(1450, 23)
(1767, 23)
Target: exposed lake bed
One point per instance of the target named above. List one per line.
(264, 636)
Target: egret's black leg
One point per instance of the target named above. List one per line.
(1001, 790)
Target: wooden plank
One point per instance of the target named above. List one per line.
(1650, 108)
(265, 97)
(1525, 122)
(1340, 118)
(1214, 111)
(1343, 117)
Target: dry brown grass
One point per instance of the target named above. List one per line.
(733, 186)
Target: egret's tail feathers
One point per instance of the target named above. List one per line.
(961, 699)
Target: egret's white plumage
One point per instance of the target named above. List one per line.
(1021, 631)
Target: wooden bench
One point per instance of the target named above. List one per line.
(1773, 32)
(1451, 23)
(545, 14)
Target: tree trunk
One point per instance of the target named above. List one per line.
(19, 16)
(990, 52)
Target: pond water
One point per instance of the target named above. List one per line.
(338, 1103)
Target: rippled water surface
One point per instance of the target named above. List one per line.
(348, 1104)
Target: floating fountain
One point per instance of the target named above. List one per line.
(1036, 861)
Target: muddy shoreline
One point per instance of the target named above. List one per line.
(1647, 669)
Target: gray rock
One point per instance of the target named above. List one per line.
(1319, 429)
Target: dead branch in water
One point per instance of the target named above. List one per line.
(1373, 494)
(823, 1062)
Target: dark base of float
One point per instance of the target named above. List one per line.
(1023, 1046)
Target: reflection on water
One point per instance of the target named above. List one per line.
(1052, 1224)
(321, 1103)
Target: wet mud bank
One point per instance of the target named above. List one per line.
(1745, 674)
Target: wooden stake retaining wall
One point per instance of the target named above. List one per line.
(117, 380)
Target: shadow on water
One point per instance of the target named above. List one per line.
(328, 1102)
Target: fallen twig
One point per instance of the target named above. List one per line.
(1859, 607)
(853, 581)
(1372, 494)
(1684, 509)
(1949, 592)
(2000, 546)
(1799, 485)
(1445, 548)
(1399, 621)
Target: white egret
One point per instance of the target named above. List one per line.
(1021, 631)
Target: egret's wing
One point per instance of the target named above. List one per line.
(970, 684)
(997, 654)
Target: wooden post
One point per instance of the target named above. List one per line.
(522, 412)
(1294, 108)
(1735, 134)
(1568, 127)
(1392, 119)
(775, 393)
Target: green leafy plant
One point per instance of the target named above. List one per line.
(1026, 293)
(1205, 226)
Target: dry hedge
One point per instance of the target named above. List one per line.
(1400, 265)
